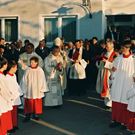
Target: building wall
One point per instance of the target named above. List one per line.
(114, 7)
(30, 13)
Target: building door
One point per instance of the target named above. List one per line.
(124, 24)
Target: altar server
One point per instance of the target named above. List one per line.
(15, 89)
(6, 99)
(123, 68)
(34, 87)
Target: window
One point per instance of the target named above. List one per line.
(9, 29)
(51, 29)
(69, 29)
(63, 26)
(123, 18)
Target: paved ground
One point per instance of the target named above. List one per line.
(78, 116)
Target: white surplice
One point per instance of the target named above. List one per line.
(5, 96)
(101, 69)
(105, 68)
(131, 99)
(77, 70)
(14, 88)
(123, 78)
(24, 62)
(63, 77)
(34, 84)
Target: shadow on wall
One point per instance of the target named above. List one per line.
(62, 10)
(92, 26)
(85, 8)
(34, 25)
(48, 3)
(86, 24)
(7, 2)
(32, 39)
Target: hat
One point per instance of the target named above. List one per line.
(57, 41)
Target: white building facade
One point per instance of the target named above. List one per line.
(38, 19)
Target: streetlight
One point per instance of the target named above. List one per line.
(87, 5)
(85, 2)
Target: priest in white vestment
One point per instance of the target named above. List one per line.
(24, 60)
(53, 69)
(77, 73)
(65, 60)
(104, 73)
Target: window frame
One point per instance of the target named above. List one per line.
(42, 29)
(3, 18)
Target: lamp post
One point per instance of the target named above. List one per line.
(85, 2)
(87, 5)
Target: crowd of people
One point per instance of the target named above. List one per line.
(39, 76)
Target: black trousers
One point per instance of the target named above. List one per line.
(77, 87)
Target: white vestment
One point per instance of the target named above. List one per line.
(64, 59)
(14, 88)
(4, 105)
(77, 70)
(6, 97)
(24, 62)
(131, 99)
(103, 68)
(123, 78)
(100, 76)
(54, 96)
(34, 84)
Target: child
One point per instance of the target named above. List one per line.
(123, 68)
(131, 107)
(15, 89)
(6, 99)
(33, 86)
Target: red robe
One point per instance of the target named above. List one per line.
(33, 106)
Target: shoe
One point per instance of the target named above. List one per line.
(21, 107)
(26, 119)
(123, 127)
(107, 108)
(131, 132)
(35, 117)
(57, 107)
(16, 128)
(11, 131)
(114, 124)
